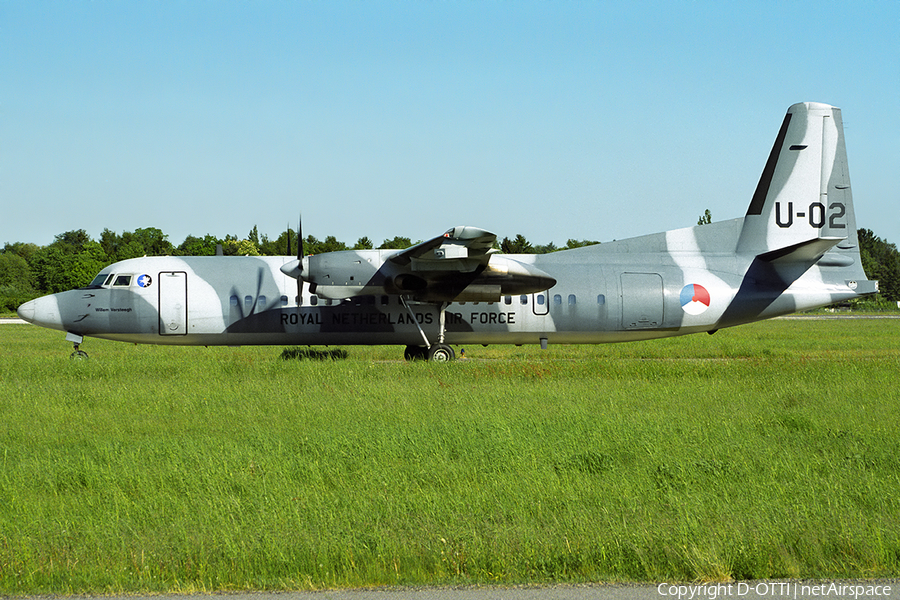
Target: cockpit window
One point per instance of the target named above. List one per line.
(122, 280)
(109, 279)
(98, 280)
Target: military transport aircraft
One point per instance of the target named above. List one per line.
(795, 249)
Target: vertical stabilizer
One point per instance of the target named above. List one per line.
(803, 198)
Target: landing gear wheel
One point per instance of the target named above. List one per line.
(415, 353)
(76, 340)
(441, 353)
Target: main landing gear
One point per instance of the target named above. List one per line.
(439, 352)
(436, 353)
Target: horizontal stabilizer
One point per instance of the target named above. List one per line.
(805, 252)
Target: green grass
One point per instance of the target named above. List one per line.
(766, 451)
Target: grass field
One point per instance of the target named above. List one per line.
(770, 450)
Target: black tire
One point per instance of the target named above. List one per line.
(79, 355)
(441, 353)
(415, 353)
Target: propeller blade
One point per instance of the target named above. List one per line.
(300, 258)
(300, 239)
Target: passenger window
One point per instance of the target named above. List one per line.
(571, 299)
(384, 300)
(507, 299)
(248, 303)
(540, 299)
(284, 300)
(523, 298)
(123, 280)
(313, 299)
(234, 301)
(261, 303)
(557, 299)
(601, 299)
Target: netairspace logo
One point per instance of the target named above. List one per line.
(784, 589)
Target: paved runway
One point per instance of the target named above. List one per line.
(750, 590)
(827, 317)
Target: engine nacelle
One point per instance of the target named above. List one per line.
(350, 273)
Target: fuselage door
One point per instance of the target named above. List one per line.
(540, 303)
(642, 301)
(173, 303)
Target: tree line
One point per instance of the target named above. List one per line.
(73, 259)
(881, 261)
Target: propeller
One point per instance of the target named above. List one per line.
(294, 268)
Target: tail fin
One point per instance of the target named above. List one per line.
(803, 206)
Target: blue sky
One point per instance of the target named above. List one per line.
(557, 120)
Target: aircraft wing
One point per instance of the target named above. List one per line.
(460, 248)
(462, 265)
(459, 266)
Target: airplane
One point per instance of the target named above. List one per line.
(795, 249)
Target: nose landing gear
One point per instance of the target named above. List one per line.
(76, 340)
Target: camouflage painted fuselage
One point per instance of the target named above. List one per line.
(604, 293)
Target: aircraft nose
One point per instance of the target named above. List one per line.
(26, 311)
(43, 311)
